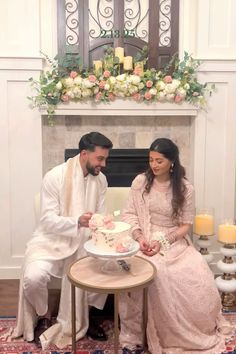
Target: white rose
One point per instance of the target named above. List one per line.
(120, 94)
(135, 79)
(77, 92)
(124, 87)
(181, 92)
(170, 97)
(59, 85)
(112, 80)
(186, 86)
(70, 94)
(120, 77)
(78, 80)
(87, 84)
(153, 91)
(86, 93)
(141, 86)
(160, 85)
(69, 82)
(133, 89)
(169, 88)
(107, 87)
(175, 83)
(161, 96)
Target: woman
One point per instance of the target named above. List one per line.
(184, 307)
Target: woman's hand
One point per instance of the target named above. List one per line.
(149, 249)
(153, 248)
(143, 244)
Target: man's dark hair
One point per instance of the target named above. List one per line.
(91, 140)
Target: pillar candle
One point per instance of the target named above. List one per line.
(119, 52)
(97, 64)
(227, 233)
(138, 68)
(204, 225)
(128, 63)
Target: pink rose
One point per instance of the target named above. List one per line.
(65, 98)
(195, 94)
(108, 218)
(167, 79)
(107, 73)
(98, 96)
(73, 74)
(111, 96)
(92, 78)
(138, 71)
(178, 98)
(148, 96)
(102, 84)
(137, 96)
(110, 225)
(149, 83)
(92, 224)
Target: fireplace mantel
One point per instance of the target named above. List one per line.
(125, 107)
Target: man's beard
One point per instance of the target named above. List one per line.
(91, 169)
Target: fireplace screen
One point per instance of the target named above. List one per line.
(122, 165)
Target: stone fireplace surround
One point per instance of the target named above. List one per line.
(128, 124)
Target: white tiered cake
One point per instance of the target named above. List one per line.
(109, 235)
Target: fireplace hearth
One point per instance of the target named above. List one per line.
(122, 165)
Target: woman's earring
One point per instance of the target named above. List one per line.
(172, 168)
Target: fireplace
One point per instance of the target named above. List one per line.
(122, 165)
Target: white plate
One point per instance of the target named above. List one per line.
(92, 250)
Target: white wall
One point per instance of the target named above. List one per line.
(207, 30)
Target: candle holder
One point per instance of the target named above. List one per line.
(204, 227)
(226, 283)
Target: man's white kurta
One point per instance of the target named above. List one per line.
(65, 195)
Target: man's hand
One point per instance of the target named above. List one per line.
(84, 219)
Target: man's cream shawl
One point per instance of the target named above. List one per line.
(63, 200)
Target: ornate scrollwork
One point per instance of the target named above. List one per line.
(72, 22)
(165, 23)
(135, 15)
(103, 19)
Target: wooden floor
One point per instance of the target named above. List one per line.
(9, 298)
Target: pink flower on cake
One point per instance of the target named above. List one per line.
(121, 249)
(98, 220)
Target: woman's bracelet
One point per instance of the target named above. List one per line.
(162, 239)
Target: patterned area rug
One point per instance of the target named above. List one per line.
(85, 345)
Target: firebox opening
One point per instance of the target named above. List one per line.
(123, 165)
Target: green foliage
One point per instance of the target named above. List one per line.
(66, 81)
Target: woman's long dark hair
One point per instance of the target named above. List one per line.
(169, 150)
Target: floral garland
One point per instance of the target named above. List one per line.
(62, 84)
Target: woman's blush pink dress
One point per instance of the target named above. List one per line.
(184, 306)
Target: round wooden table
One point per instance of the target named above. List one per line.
(86, 274)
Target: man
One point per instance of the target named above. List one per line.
(71, 193)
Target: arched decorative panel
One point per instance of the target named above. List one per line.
(87, 26)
